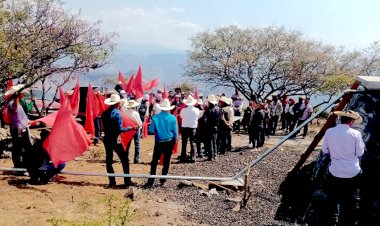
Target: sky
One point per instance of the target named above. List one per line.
(166, 25)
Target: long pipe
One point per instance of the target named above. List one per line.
(237, 175)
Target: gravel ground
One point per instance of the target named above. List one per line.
(276, 198)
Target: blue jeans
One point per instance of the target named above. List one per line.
(136, 138)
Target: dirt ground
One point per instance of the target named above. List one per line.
(84, 200)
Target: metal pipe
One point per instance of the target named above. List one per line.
(273, 148)
(131, 175)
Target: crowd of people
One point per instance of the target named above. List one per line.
(205, 123)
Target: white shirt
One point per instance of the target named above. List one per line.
(132, 114)
(345, 145)
(190, 116)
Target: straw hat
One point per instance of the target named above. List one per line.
(212, 99)
(114, 99)
(165, 105)
(14, 89)
(225, 100)
(351, 114)
(131, 104)
(190, 101)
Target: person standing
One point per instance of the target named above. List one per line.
(129, 109)
(19, 127)
(212, 118)
(345, 146)
(289, 115)
(112, 124)
(257, 127)
(164, 126)
(305, 114)
(189, 119)
(225, 124)
(275, 110)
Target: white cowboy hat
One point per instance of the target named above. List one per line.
(131, 104)
(212, 99)
(114, 99)
(351, 114)
(165, 105)
(190, 101)
(225, 100)
(14, 89)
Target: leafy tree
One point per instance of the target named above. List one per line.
(39, 38)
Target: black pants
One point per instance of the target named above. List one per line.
(111, 145)
(258, 137)
(165, 148)
(305, 128)
(273, 121)
(211, 145)
(345, 192)
(188, 134)
(98, 127)
(225, 139)
(20, 145)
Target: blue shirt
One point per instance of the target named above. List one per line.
(113, 122)
(164, 126)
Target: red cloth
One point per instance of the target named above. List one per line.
(145, 127)
(74, 99)
(123, 83)
(48, 119)
(151, 84)
(67, 139)
(130, 84)
(100, 100)
(196, 93)
(138, 85)
(127, 136)
(165, 94)
(6, 118)
(92, 111)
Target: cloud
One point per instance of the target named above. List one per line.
(160, 26)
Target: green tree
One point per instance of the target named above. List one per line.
(39, 39)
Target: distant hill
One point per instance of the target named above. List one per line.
(166, 66)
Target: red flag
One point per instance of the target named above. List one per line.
(145, 127)
(123, 83)
(151, 84)
(196, 93)
(10, 84)
(100, 100)
(150, 98)
(130, 84)
(165, 94)
(92, 110)
(67, 139)
(127, 136)
(6, 118)
(138, 86)
(74, 99)
(48, 119)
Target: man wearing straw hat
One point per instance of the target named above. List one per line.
(129, 109)
(345, 146)
(212, 115)
(225, 125)
(112, 125)
(189, 116)
(18, 127)
(164, 127)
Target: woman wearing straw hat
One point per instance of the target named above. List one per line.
(18, 126)
(164, 127)
(112, 125)
(345, 146)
